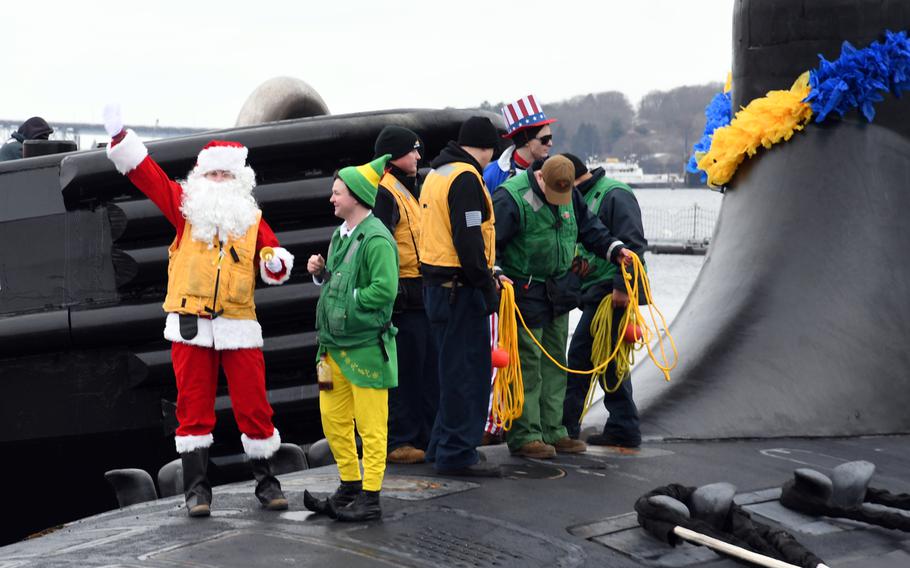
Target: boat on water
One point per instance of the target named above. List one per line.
(632, 174)
(793, 350)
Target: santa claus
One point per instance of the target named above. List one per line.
(221, 243)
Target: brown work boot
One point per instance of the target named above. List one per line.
(491, 439)
(536, 449)
(621, 445)
(406, 454)
(568, 445)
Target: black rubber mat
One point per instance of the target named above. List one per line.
(467, 541)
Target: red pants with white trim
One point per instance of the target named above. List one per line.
(491, 427)
(196, 369)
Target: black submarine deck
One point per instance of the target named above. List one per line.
(570, 511)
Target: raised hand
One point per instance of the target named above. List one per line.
(113, 121)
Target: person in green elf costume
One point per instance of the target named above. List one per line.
(357, 358)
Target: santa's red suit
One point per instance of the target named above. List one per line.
(218, 226)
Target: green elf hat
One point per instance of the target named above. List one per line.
(363, 180)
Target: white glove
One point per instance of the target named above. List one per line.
(113, 122)
(273, 265)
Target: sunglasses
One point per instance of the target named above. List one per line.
(545, 139)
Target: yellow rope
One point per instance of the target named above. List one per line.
(600, 331)
(508, 387)
(603, 341)
(602, 344)
(602, 352)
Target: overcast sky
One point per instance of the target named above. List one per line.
(194, 63)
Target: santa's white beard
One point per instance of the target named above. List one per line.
(222, 208)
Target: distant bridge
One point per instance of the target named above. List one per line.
(87, 135)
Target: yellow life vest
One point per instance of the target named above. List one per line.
(436, 246)
(212, 279)
(407, 232)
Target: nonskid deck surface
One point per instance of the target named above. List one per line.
(571, 511)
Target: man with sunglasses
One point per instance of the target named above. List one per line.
(528, 128)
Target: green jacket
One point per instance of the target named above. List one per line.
(545, 242)
(354, 313)
(600, 270)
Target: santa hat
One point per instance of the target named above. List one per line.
(523, 113)
(222, 155)
(363, 180)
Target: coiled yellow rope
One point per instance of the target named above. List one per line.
(649, 331)
(602, 345)
(624, 351)
(508, 389)
(603, 341)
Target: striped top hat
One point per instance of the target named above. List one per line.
(523, 113)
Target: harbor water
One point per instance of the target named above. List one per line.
(667, 215)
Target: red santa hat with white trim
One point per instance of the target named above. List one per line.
(222, 155)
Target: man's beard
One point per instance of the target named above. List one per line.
(219, 208)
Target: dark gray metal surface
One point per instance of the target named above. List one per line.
(583, 518)
(797, 324)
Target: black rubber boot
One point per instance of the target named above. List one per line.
(268, 489)
(196, 486)
(344, 495)
(364, 508)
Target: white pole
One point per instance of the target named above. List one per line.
(735, 551)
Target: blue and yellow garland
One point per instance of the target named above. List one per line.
(856, 79)
(718, 114)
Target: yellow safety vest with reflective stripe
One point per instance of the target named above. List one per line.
(407, 232)
(436, 246)
(214, 279)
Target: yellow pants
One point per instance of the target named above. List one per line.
(340, 408)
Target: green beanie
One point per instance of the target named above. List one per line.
(363, 180)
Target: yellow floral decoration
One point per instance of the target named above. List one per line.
(764, 122)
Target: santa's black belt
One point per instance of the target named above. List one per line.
(189, 326)
(189, 323)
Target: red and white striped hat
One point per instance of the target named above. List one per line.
(523, 113)
(222, 155)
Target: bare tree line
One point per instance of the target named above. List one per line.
(658, 134)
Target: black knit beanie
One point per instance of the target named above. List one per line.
(396, 141)
(35, 128)
(478, 132)
(580, 167)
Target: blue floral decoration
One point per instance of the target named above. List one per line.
(718, 114)
(858, 77)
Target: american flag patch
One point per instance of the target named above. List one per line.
(472, 218)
